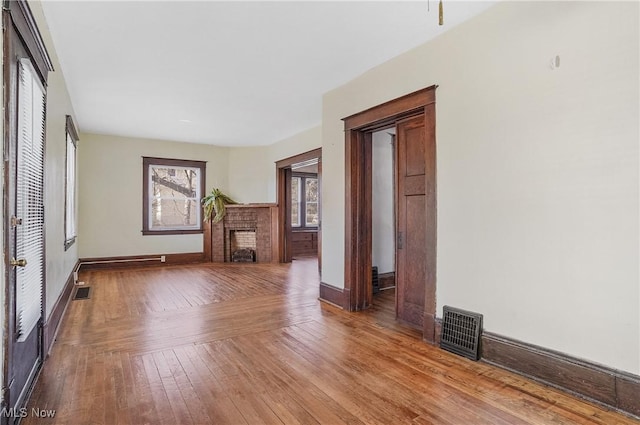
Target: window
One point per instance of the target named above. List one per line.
(172, 190)
(70, 232)
(304, 201)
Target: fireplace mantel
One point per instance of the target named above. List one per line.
(261, 218)
(265, 205)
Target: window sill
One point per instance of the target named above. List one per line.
(68, 243)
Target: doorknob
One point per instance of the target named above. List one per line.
(18, 263)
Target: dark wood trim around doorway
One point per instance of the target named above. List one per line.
(358, 194)
(283, 183)
(386, 114)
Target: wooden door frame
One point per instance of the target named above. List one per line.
(283, 182)
(358, 200)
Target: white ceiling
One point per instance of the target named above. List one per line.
(226, 73)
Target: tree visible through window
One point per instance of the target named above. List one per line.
(304, 200)
(311, 202)
(172, 192)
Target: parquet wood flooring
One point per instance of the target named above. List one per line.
(238, 344)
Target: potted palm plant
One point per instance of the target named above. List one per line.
(215, 202)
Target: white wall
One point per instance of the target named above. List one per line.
(110, 194)
(250, 174)
(59, 263)
(383, 225)
(537, 171)
(252, 171)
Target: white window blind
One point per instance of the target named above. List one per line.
(29, 201)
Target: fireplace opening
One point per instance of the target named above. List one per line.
(243, 246)
(244, 255)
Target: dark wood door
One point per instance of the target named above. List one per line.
(411, 248)
(24, 220)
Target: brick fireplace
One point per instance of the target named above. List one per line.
(244, 227)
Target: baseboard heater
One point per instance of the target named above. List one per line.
(461, 331)
(125, 260)
(161, 258)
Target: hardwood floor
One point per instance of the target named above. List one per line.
(238, 344)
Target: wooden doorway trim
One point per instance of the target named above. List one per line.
(358, 202)
(283, 184)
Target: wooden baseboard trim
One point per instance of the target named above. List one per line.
(387, 280)
(141, 260)
(346, 300)
(613, 388)
(429, 328)
(332, 295)
(438, 331)
(52, 325)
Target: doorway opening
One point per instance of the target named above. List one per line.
(413, 117)
(383, 214)
(298, 190)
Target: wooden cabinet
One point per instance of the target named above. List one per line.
(304, 243)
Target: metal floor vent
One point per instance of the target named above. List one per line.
(375, 282)
(461, 332)
(82, 293)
